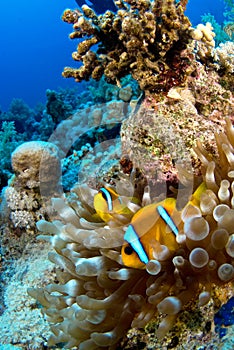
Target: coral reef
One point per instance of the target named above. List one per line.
(35, 164)
(148, 39)
(91, 121)
(24, 202)
(22, 124)
(160, 135)
(21, 114)
(98, 298)
(26, 120)
(37, 169)
(102, 92)
(97, 124)
(95, 300)
(8, 142)
(89, 141)
(57, 107)
(37, 176)
(22, 323)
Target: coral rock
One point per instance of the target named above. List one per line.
(37, 163)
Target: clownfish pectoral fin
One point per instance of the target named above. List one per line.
(167, 219)
(133, 240)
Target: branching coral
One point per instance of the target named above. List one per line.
(224, 56)
(148, 39)
(98, 298)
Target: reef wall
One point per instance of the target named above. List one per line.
(98, 293)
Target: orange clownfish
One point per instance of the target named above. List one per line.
(108, 205)
(152, 227)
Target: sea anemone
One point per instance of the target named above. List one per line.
(96, 298)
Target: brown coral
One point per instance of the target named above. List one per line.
(148, 39)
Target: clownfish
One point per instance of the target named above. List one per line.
(108, 205)
(152, 227)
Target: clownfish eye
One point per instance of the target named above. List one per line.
(128, 250)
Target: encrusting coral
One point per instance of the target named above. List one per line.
(148, 39)
(97, 298)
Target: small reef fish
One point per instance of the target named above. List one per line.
(99, 6)
(152, 227)
(108, 205)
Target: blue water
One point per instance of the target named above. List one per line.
(196, 8)
(35, 46)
